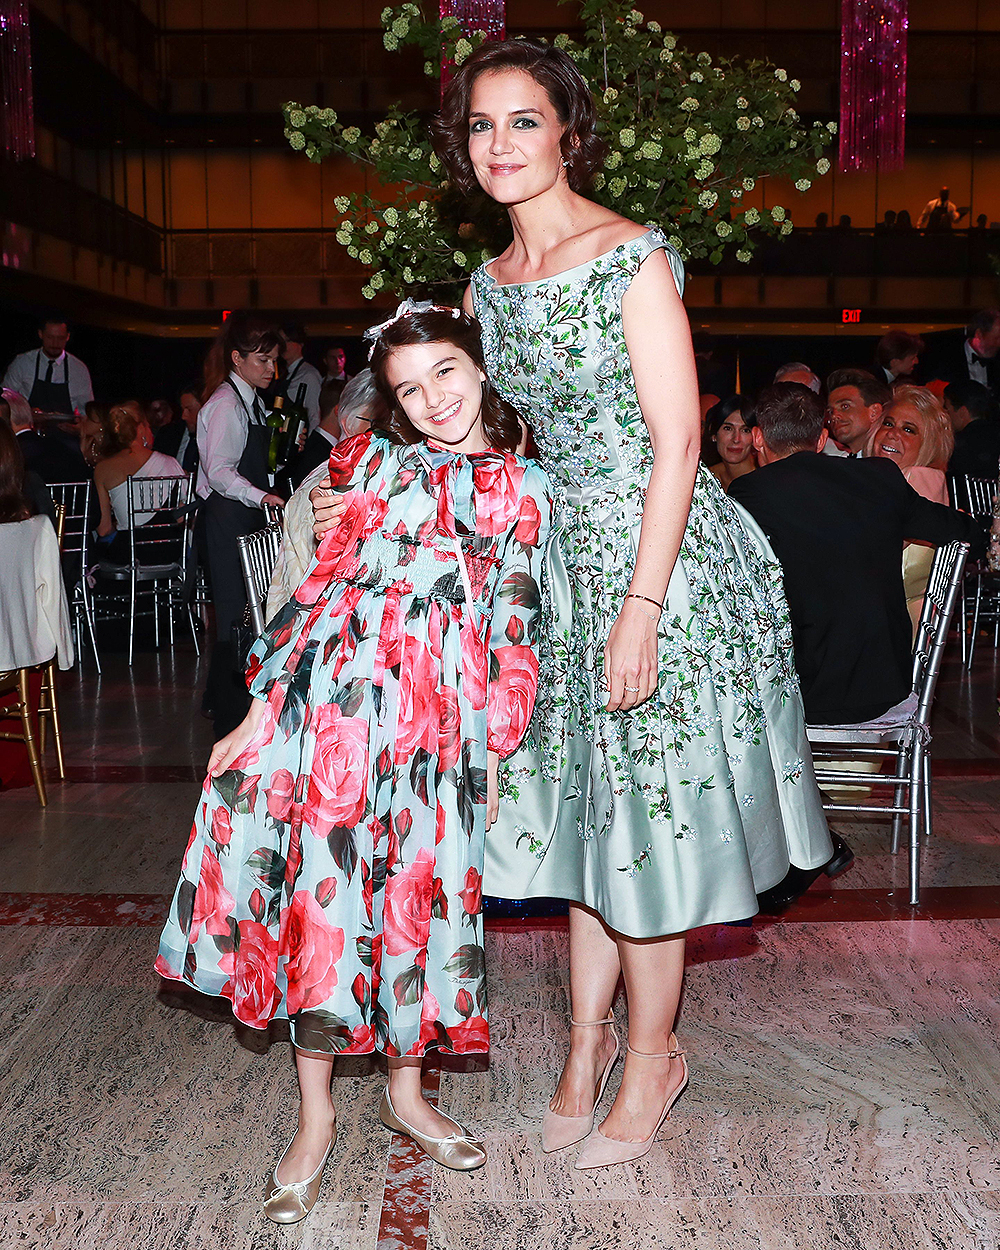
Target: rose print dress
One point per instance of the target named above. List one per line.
(333, 873)
(675, 814)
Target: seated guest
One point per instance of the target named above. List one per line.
(179, 438)
(135, 459)
(36, 615)
(969, 355)
(298, 543)
(796, 371)
(975, 418)
(32, 486)
(324, 437)
(356, 404)
(838, 526)
(93, 428)
(854, 403)
(730, 435)
(916, 434)
(48, 455)
(897, 355)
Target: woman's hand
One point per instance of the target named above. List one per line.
(234, 744)
(630, 657)
(272, 501)
(328, 507)
(492, 788)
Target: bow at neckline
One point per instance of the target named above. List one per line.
(454, 479)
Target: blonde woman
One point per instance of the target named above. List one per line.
(917, 434)
(128, 427)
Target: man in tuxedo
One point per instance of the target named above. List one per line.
(975, 417)
(897, 355)
(838, 527)
(179, 438)
(973, 356)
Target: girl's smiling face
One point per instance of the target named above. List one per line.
(440, 389)
(515, 137)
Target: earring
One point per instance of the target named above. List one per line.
(565, 164)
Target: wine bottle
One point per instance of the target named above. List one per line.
(276, 424)
(293, 422)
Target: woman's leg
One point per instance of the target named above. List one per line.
(408, 1102)
(654, 973)
(317, 1118)
(594, 967)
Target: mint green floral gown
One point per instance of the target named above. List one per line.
(675, 814)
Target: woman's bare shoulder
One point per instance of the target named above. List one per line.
(114, 470)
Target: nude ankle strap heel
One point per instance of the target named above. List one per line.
(601, 1152)
(559, 1131)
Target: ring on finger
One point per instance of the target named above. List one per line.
(632, 689)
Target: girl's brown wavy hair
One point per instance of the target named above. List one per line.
(501, 426)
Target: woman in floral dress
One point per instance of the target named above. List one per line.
(333, 872)
(666, 778)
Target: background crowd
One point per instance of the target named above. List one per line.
(933, 412)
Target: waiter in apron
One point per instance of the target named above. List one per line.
(234, 486)
(49, 377)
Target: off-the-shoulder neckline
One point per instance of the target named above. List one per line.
(584, 264)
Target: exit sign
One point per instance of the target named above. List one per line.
(850, 316)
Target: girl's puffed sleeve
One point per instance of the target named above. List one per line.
(513, 644)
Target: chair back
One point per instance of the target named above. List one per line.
(74, 499)
(258, 555)
(974, 495)
(940, 598)
(157, 508)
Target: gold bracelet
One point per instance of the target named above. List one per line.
(648, 615)
(632, 595)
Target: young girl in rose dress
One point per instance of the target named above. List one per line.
(333, 873)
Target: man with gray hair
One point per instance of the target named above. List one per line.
(796, 371)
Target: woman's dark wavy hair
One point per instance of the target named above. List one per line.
(241, 332)
(14, 504)
(722, 411)
(500, 422)
(562, 82)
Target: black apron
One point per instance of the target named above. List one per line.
(51, 396)
(223, 520)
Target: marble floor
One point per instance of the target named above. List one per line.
(845, 1087)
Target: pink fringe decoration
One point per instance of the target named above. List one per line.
(17, 113)
(486, 15)
(872, 84)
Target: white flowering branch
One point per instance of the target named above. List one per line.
(687, 139)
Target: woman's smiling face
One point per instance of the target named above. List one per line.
(901, 435)
(515, 137)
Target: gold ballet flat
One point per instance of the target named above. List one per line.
(459, 1151)
(289, 1203)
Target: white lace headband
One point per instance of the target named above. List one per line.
(406, 309)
